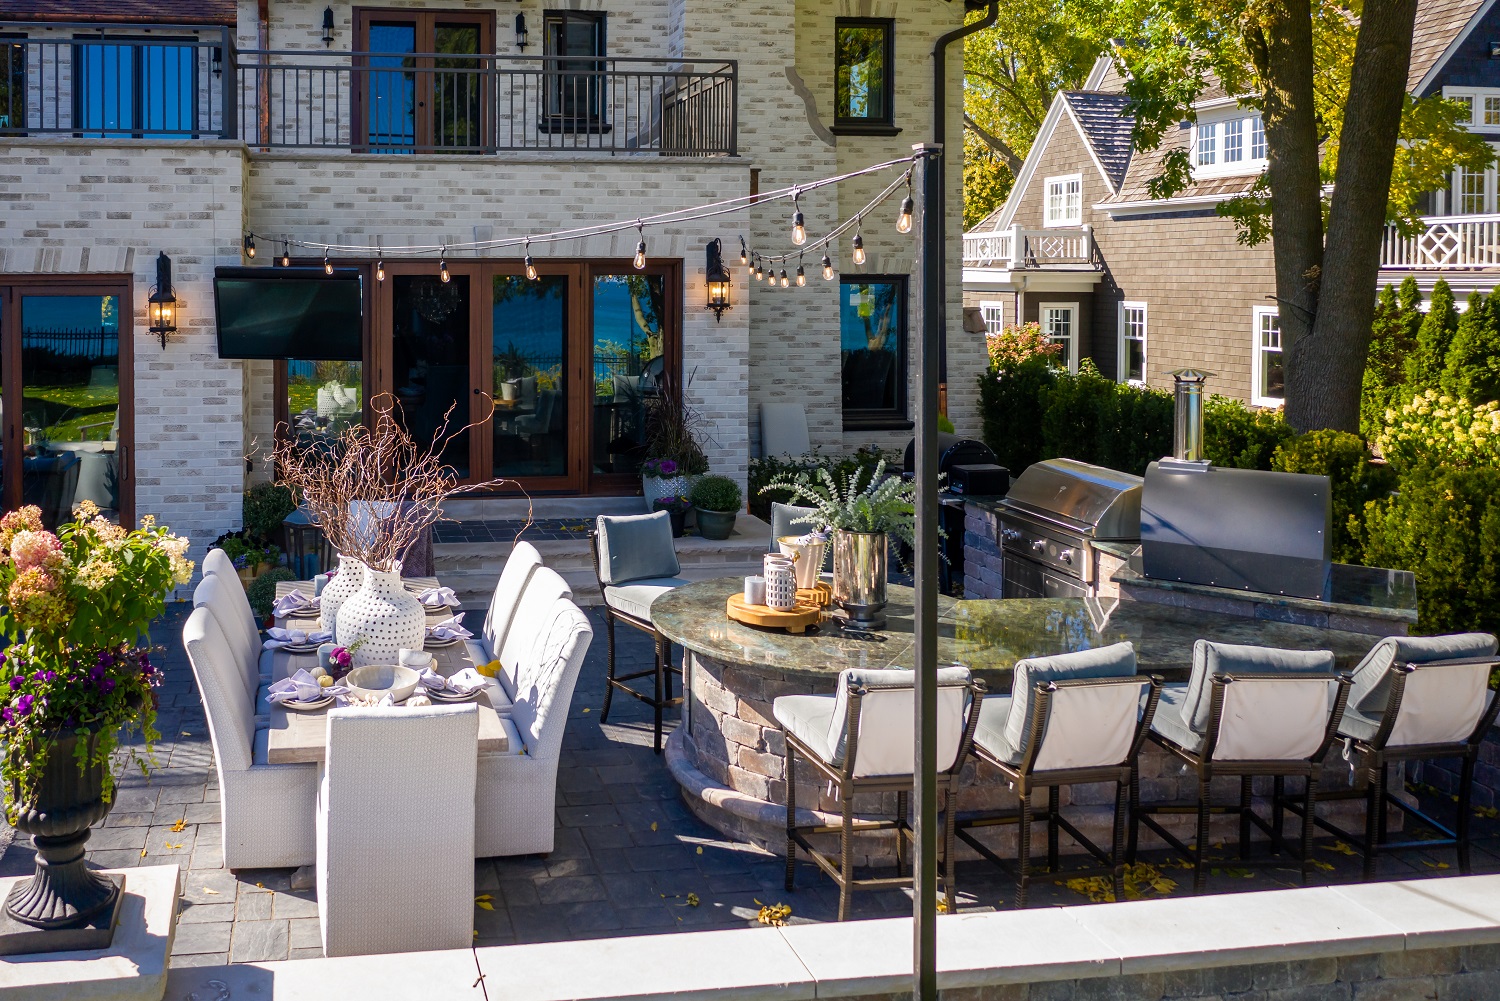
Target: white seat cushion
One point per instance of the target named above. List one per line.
(808, 717)
(1169, 721)
(512, 737)
(989, 732)
(636, 597)
(260, 749)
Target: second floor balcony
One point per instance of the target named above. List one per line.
(1018, 249)
(193, 83)
(1444, 243)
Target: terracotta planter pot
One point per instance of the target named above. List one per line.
(64, 892)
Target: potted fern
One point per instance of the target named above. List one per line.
(862, 514)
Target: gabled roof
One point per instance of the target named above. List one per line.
(1441, 27)
(1146, 164)
(1106, 123)
(143, 11)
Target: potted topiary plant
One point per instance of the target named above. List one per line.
(72, 676)
(863, 515)
(262, 593)
(716, 500)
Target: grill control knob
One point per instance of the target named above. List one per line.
(1038, 546)
(1066, 556)
(1009, 535)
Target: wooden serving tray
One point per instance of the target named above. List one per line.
(820, 594)
(795, 620)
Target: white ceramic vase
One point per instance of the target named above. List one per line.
(340, 589)
(383, 617)
(653, 487)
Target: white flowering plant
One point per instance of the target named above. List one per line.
(76, 605)
(1436, 430)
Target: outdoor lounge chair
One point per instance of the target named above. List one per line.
(1246, 711)
(860, 741)
(544, 586)
(514, 576)
(1070, 719)
(515, 794)
(1417, 698)
(635, 563)
(389, 775)
(266, 811)
(225, 599)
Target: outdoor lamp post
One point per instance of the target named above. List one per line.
(161, 307)
(717, 279)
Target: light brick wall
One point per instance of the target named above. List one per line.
(86, 206)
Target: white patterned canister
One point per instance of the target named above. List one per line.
(781, 583)
(383, 617)
(339, 590)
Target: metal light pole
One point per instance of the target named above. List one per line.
(931, 304)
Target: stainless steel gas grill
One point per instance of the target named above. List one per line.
(1049, 522)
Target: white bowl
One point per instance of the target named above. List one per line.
(378, 679)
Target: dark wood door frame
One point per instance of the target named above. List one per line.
(425, 24)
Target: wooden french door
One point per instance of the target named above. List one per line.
(66, 414)
(556, 374)
(422, 80)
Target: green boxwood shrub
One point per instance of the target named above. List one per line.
(1355, 480)
(1444, 526)
(265, 507)
(1235, 435)
(716, 493)
(262, 590)
(1012, 402)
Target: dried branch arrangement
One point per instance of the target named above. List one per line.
(374, 490)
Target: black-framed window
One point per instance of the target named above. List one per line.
(12, 84)
(138, 86)
(576, 73)
(864, 81)
(872, 349)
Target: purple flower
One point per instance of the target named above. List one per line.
(8, 715)
(107, 685)
(23, 704)
(49, 675)
(668, 467)
(16, 682)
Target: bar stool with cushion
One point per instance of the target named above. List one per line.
(1073, 718)
(636, 563)
(1245, 711)
(1417, 698)
(860, 740)
(390, 774)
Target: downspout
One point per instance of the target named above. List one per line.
(262, 75)
(939, 211)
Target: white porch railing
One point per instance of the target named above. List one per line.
(1458, 241)
(1018, 248)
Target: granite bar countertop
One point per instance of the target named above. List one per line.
(1365, 592)
(987, 636)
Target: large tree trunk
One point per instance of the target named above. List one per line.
(1324, 371)
(1278, 35)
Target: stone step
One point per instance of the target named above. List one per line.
(471, 568)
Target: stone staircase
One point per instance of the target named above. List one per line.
(472, 546)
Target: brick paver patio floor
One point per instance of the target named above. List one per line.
(628, 852)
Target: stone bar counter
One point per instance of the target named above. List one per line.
(729, 754)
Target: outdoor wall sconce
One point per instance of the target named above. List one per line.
(1495, 50)
(521, 32)
(161, 307)
(718, 280)
(327, 27)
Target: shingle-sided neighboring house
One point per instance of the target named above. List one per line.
(1145, 286)
(184, 127)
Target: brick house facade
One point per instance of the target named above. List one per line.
(90, 199)
(1146, 286)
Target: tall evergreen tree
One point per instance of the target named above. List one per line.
(1424, 366)
(1473, 363)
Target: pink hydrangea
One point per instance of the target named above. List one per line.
(36, 549)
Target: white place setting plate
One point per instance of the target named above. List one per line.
(299, 648)
(429, 643)
(452, 697)
(303, 707)
(303, 613)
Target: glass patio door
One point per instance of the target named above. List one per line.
(65, 400)
(423, 85)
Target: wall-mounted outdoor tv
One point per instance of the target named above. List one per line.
(289, 313)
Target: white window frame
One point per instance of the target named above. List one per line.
(1480, 100)
(993, 311)
(1121, 338)
(1073, 311)
(1210, 143)
(1069, 212)
(1258, 355)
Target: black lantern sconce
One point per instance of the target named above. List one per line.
(327, 27)
(718, 280)
(521, 32)
(161, 307)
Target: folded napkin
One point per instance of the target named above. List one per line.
(301, 687)
(294, 637)
(439, 597)
(465, 682)
(296, 601)
(450, 629)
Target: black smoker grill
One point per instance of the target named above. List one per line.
(953, 450)
(1056, 510)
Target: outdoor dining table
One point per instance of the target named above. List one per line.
(298, 737)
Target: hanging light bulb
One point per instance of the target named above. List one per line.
(785, 281)
(799, 226)
(640, 249)
(759, 271)
(286, 254)
(380, 271)
(801, 274)
(859, 246)
(744, 253)
(827, 269)
(250, 246)
(903, 221)
(327, 265)
(443, 270)
(530, 264)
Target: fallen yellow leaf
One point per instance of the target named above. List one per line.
(172, 846)
(484, 905)
(483, 896)
(585, 709)
(207, 890)
(774, 914)
(177, 827)
(700, 849)
(692, 899)
(143, 853)
(653, 825)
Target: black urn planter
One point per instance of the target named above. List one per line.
(64, 905)
(679, 522)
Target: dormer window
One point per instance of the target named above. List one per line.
(1065, 200)
(1227, 145)
(1481, 106)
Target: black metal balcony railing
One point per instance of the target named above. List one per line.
(184, 83)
